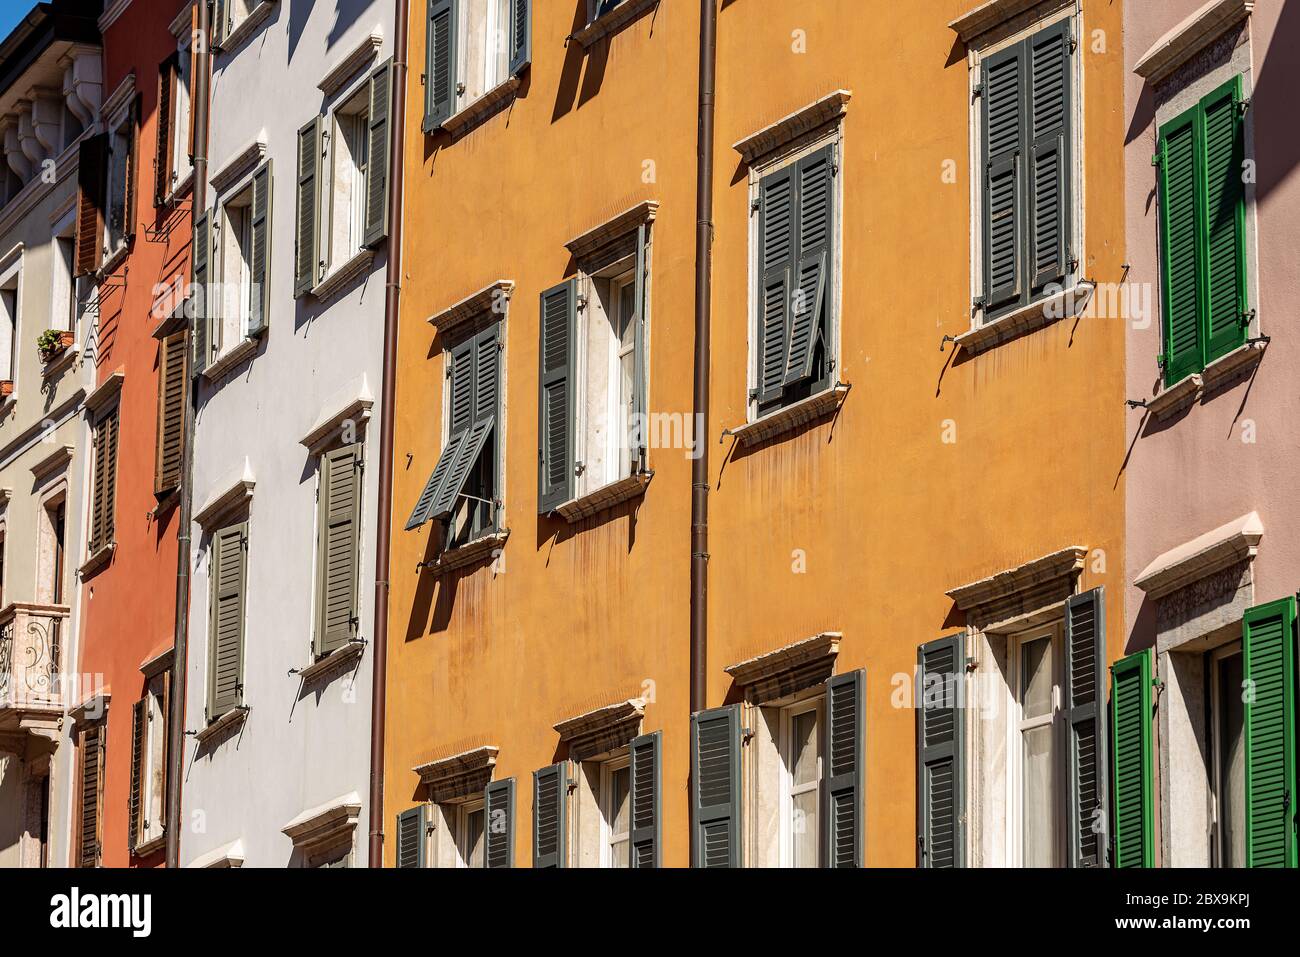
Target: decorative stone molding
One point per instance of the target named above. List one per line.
(1189, 37)
(222, 726)
(105, 392)
(793, 667)
(120, 96)
(97, 560)
(245, 27)
(611, 230)
(605, 497)
(231, 494)
(92, 708)
(1237, 364)
(459, 776)
(828, 109)
(183, 22)
(1206, 612)
(792, 417)
(5, 495)
(158, 660)
(338, 659)
(114, 10)
(1176, 398)
(471, 553)
(494, 100)
(364, 53)
(989, 15)
(245, 161)
(1021, 590)
(231, 358)
(328, 824)
(1064, 304)
(617, 18)
(344, 275)
(352, 405)
(1227, 545)
(55, 462)
(228, 855)
(473, 305)
(602, 730)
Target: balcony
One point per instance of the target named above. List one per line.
(30, 687)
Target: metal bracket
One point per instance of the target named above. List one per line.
(1136, 403)
(945, 340)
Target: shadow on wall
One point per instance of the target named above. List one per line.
(1277, 137)
(346, 13)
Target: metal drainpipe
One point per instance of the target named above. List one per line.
(393, 294)
(176, 716)
(703, 292)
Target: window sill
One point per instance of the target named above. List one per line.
(1220, 373)
(605, 497)
(471, 553)
(1176, 398)
(179, 191)
(97, 561)
(245, 28)
(60, 362)
(151, 846)
(232, 719)
(224, 363)
(344, 275)
(1065, 304)
(792, 417)
(485, 106)
(111, 262)
(335, 659)
(611, 22)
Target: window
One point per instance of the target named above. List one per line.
(464, 489)
(472, 48)
(1025, 194)
(1227, 726)
(349, 149)
(119, 191)
(104, 488)
(228, 574)
(63, 299)
(338, 518)
(1202, 232)
(801, 780)
(90, 793)
(9, 326)
(470, 843)
(173, 375)
(232, 266)
(1035, 752)
(796, 265)
(52, 536)
(615, 811)
(172, 163)
(147, 807)
(598, 8)
(337, 856)
(3, 603)
(230, 15)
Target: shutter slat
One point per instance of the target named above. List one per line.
(845, 764)
(1084, 696)
(940, 763)
(644, 800)
(163, 153)
(381, 87)
(1268, 645)
(1004, 157)
(521, 35)
(411, 829)
(92, 160)
(1049, 118)
(715, 783)
(173, 370)
(1134, 844)
(92, 760)
(812, 266)
(556, 406)
(199, 261)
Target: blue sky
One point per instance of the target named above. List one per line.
(11, 11)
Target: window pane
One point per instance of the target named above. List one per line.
(1232, 764)
(474, 838)
(804, 829)
(1038, 807)
(1036, 677)
(618, 788)
(803, 747)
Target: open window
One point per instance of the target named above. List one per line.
(119, 193)
(474, 50)
(10, 300)
(148, 795)
(173, 164)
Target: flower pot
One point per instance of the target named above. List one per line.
(52, 350)
(6, 387)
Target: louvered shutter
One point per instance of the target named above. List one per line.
(440, 63)
(468, 452)
(1268, 633)
(550, 793)
(1224, 220)
(259, 266)
(132, 129)
(423, 510)
(1048, 53)
(941, 758)
(163, 731)
(816, 212)
(165, 145)
(521, 35)
(92, 763)
(306, 254)
(220, 22)
(380, 133)
(139, 726)
(640, 376)
(1133, 827)
(715, 786)
(173, 369)
(229, 577)
(1003, 130)
(200, 257)
(99, 440)
(1085, 701)
(92, 159)
(776, 226)
(1179, 248)
(844, 763)
(460, 417)
(644, 801)
(105, 481)
(499, 824)
(339, 510)
(411, 828)
(556, 406)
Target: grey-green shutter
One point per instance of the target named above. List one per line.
(521, 35)
(229, 571)
(460, 416)
(845, 763)
(550, 791)
(812, 264)
(220, 22)
(555, 401)
(499, 824)
(260, 258)
(1048, 67)
(640, 377)
(339, 518)
(1085, 714)
(1268, 645)
(940, 759)
(199, 263)
(411, 828)
(776, 251)
(1179, 243)
(1223, 155)
(379, 132)
(440, 63)
(644, 800)
(1131, 781)
(715, 787)
(305, 251)
(1003, 130)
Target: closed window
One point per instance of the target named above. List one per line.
(615, 808)
(1227, 724)
(472, 48)
(232, 268)
(173, 373)
(228, 584)
(801, 780)
(1036, 814)
(470, 843)
(338, 518)
(90, 794)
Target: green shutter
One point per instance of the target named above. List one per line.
(338, 508)
(814, 175)
(550, 793)
(411, 830)
(440, 63)
(260, 259)
(640, 378)
(306, 253)
(645, 833)
(1048, 117)
(1085, 702)
(521, 35)
(139, 722)
(199, 263)
(1223, 154)
(1134, 828)
(380, 134)
(499, 824)
(229, 573)
(715, 787)
(556, 406)
(1003, 129)
(941, 758)
(1179, 248)
(777, 194)
(1268, 640)
(845, 762)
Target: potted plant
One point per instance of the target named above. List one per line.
(52, 342)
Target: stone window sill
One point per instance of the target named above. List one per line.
(612, 22)
(343, 276)
(224, 363)
(1065, 304)
(1219, 373)
(232, 719)
(605, 497)
(151, 846)
(471, 553)
(245, 27)
(485, 106)
(335, 659)
(61, 362)
(97, 560)
(792, 417)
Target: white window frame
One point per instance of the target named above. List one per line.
(153, 761)
(788, 789)
(11, 274)
(1017, 725)
(182, 115)
(63, 282)
(233, 328)
(120, 118)
(1216, 657)
(463, 813)
(338, 255)
(616, 442)
(495, 51)
(608, 836)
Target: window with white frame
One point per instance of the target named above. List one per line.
(347, 164)
(1227, 726)
(801, 781)
(181, 164)
(615, 809)
(1035, 756)
(234, 245)
(149, 760)
(470, 843)
(117, 205)
(10, 287)
(473, 47)
(608, 339)
(63, 298)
